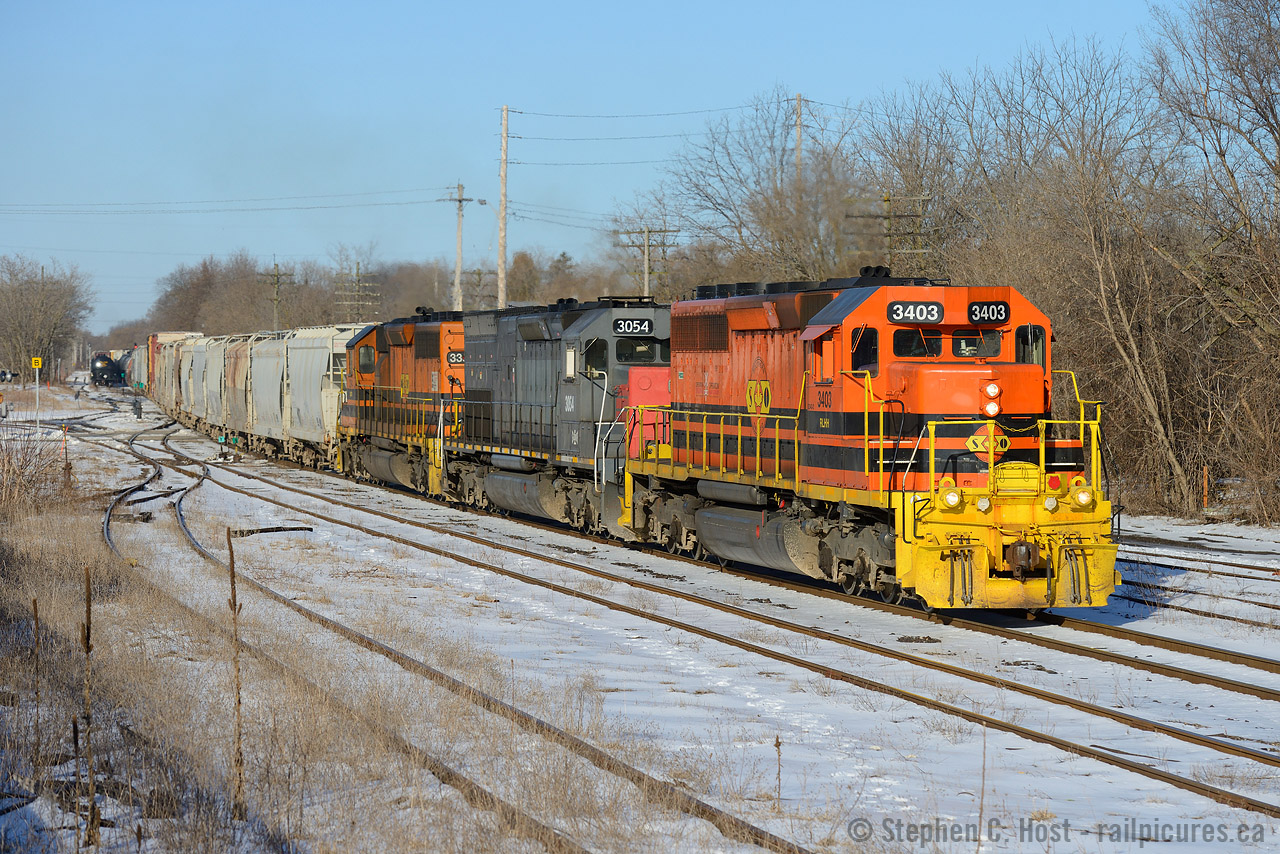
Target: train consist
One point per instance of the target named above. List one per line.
(887, 434)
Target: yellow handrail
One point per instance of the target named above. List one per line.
(1042, 440)
(698, 423)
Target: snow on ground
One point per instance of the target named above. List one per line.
(854, 767)
(1198, 539)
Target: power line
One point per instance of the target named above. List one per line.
(172, 211)
(586, 162)
(603, 138)
(555, 208)
(221, 201)
(528, 218)
(632, 115)
(146, 252)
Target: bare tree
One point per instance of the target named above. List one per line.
(41, 309)
(1215, 65)
(742, 191)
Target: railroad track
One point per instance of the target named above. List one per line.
(650, 788)
(1217, 745)
(519, 822)
(1150, 553)
(1154, 595)
(942, 618)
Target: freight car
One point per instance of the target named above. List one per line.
(273, 393)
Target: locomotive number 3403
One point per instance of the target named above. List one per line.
(915, 312)
(989, 312)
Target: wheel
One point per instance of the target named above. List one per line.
(891, 595)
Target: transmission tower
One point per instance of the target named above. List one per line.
(357, 298)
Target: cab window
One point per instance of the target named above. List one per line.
(866, 351)
(641, 351)
(596, 357)
(917, 343)
(1028, 345)
(365, 360)
(975, 343)
(824, 358)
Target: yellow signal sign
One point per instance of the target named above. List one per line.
(759, 396)
(37, 362)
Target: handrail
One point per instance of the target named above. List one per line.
(721, 425)
(1043, 441)
(869, 397)
(1075, 387)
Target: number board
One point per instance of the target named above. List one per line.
(989, 312)
(632, 326)
(915, 312)
(455, 357)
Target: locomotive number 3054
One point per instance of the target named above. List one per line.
(632, 326)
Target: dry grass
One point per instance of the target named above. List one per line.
(29, 467)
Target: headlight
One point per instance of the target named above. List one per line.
(951, 498)
(991, 390)
(1082, 497)
(991, 409)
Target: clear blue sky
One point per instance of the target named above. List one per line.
(111, 111)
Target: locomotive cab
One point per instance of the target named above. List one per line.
(947, 391)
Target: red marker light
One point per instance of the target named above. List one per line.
(1055, 482)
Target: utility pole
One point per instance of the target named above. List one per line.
(457, 263)
(646, 247)
(275, 295)
(502, 217)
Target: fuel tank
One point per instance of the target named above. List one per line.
(530, 494)
(387, 466)
(753, 537)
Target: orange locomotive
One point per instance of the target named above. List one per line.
(403, 389)
(886, 434)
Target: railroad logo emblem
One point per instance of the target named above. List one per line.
(982, 440)
(759, 397)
